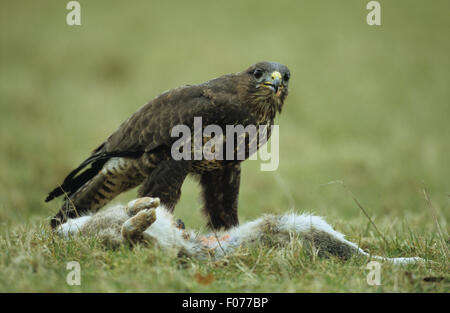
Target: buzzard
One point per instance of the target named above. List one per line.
(139, 151)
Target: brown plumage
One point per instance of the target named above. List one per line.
(139, 151)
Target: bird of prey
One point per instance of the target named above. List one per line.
(139, 151)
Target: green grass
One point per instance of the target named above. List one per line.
(368, 106)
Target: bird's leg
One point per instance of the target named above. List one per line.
(220, 191)
(165, 182)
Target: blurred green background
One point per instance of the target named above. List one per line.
(368, 105)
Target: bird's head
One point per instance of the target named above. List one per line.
(268, 83)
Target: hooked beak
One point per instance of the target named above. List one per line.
(274, 82)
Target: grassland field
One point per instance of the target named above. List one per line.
(367, 118)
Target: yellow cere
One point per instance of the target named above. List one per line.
(276, 74)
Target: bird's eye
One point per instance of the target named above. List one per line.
(257, 73)
(286, 77)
